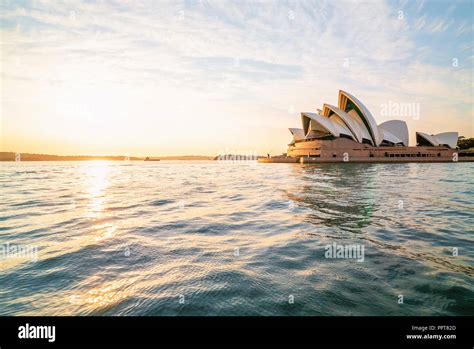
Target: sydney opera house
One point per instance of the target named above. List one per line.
(349, 133)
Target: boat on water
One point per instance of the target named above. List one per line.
(349, 133)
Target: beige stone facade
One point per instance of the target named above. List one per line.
(342, 149)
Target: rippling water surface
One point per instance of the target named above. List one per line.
(216, 238)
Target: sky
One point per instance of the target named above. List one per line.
(210, 77)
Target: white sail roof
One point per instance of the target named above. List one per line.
(351, 124)
(390, 137)
(398, 128)
(320, 123)
(298, 134)
(446, 138)
(426, 137)
(363, 112)
(363, 129)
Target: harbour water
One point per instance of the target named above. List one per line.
(236, 238)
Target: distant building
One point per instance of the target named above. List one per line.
(349, 133)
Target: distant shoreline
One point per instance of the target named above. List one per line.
(11, 156)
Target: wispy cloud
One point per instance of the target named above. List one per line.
(464, 28)
(438, 25)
